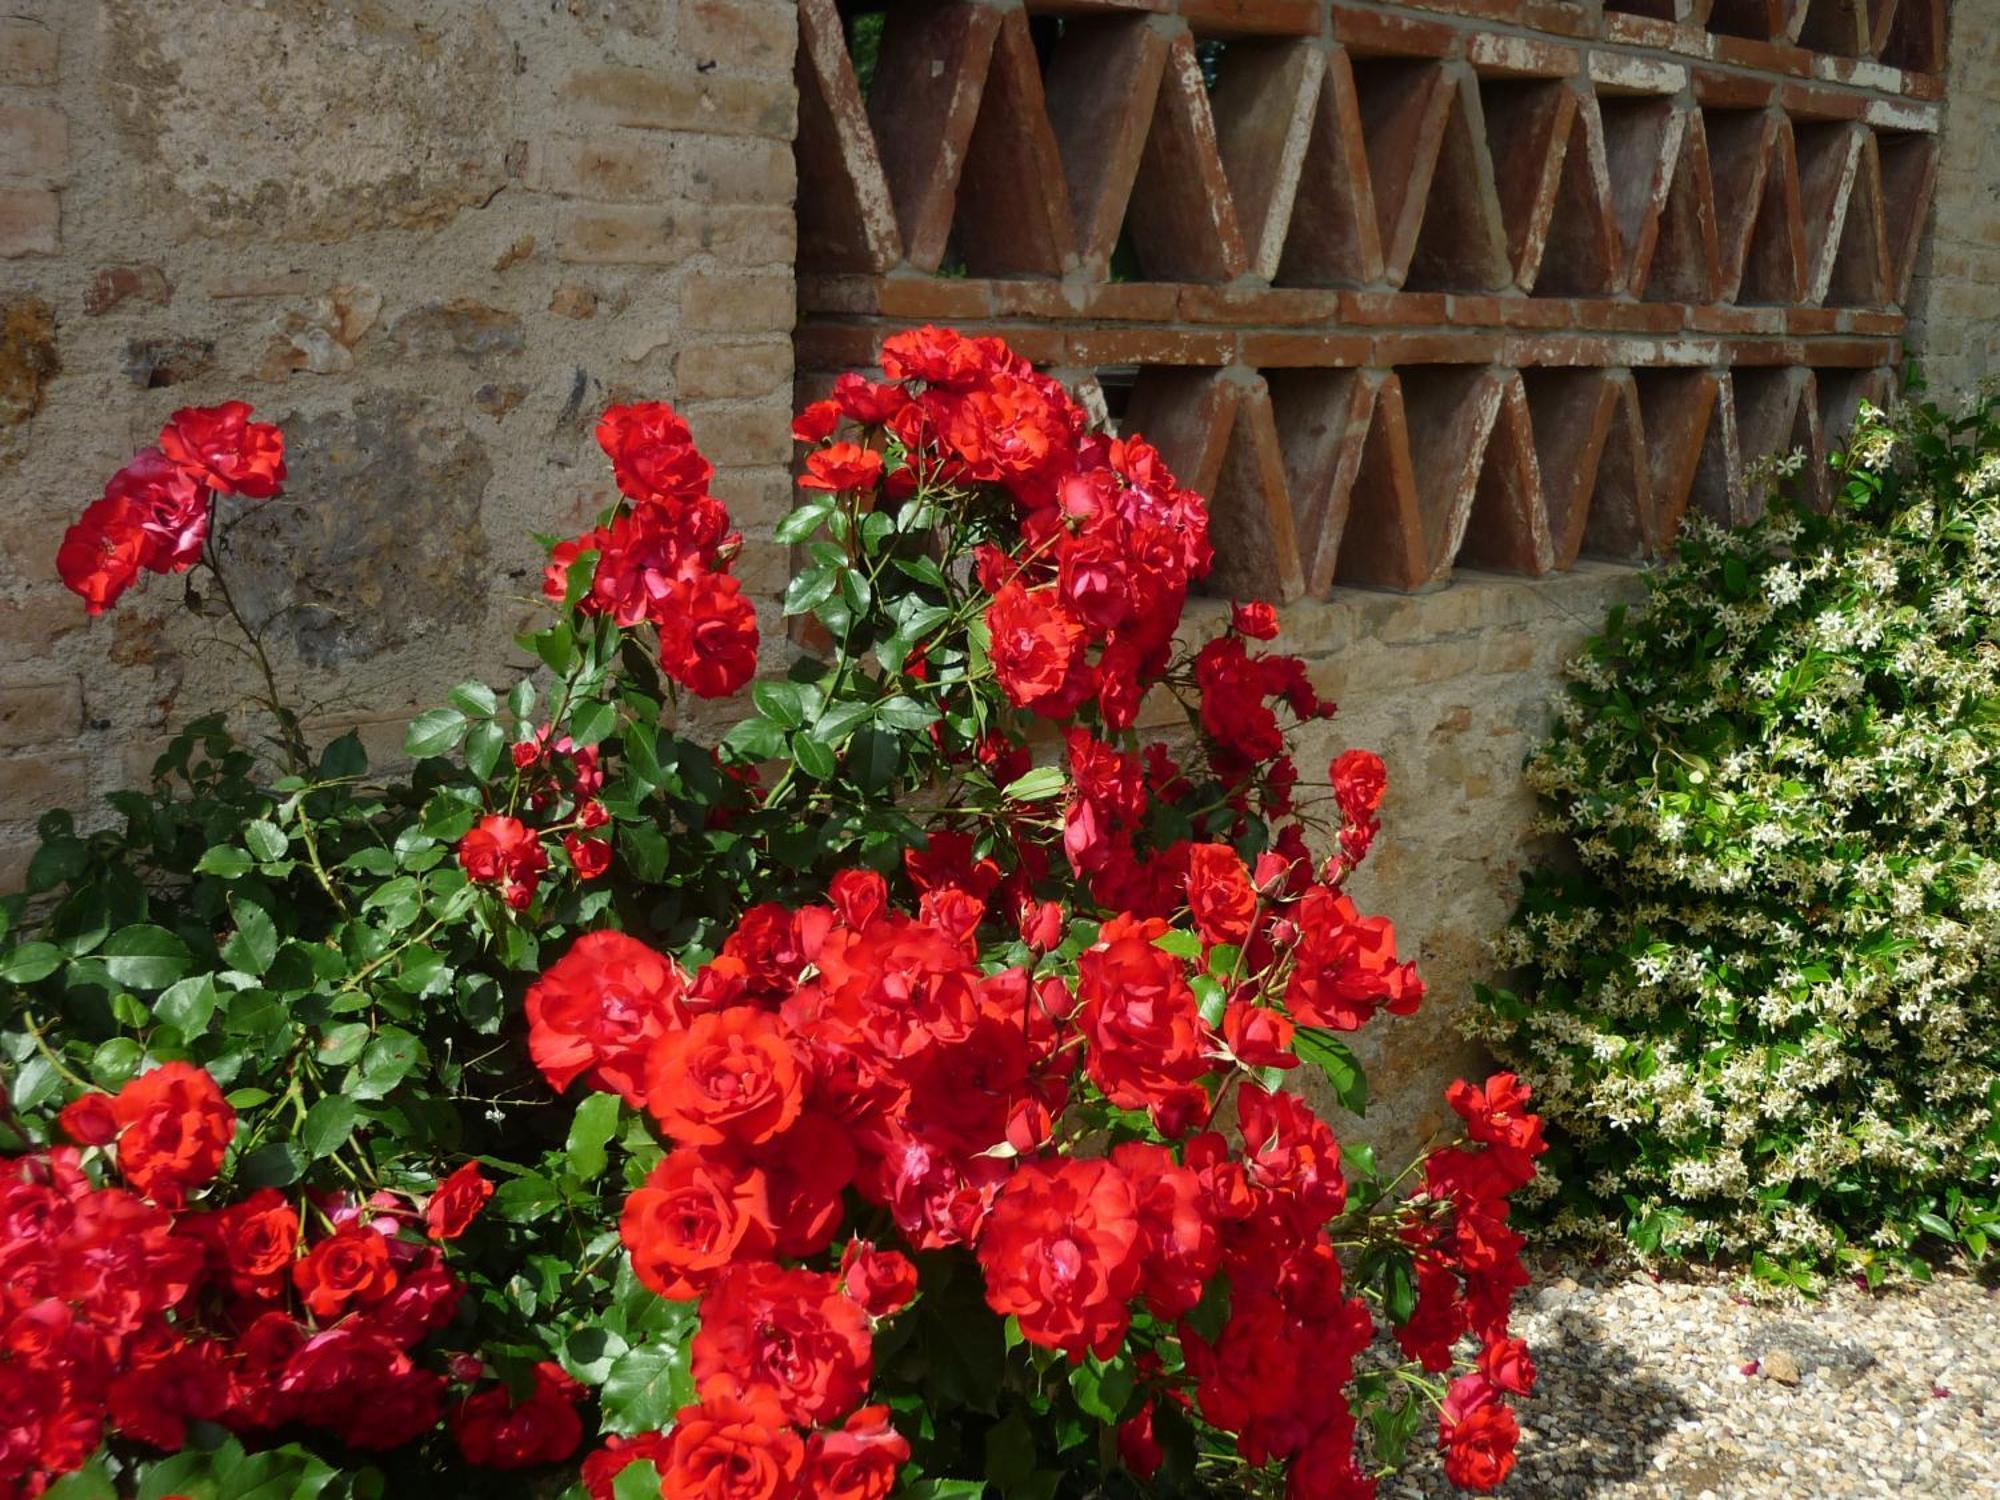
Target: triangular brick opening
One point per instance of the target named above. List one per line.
(1836, 26)
(922, 106)
(1678, 408)
(1450, 412)
(1383, 544)
(1625, 518)
(1909, 164)
(1682, 262)
(1861, 264)
(847, 220)
(1759, 19)
(1404, 107)
(1756, 205)
(1322, 421)
(1250, 508)
(1266, 101)
(1461, 243)
(1013, 215)
(1181, 218)
(1777, 414)
(1829, 157)
(1334, 238)
(1528, 133)
(1916, 37)
(1571, 411)
(1102, 84)
(1509, 527)
(1584, 254)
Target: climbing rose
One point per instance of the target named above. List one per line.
(496, 1432)
(708, 635)
(173, 1128)
(1060, 1254)
(1478, 1434)
(731, 1075)
(220, 447)
(789, 1333)
(732, 1448)
(857, 1461)
(652, 453)
(883, 1282)
(844, 466)
(1034, 642)
(597, 1011)
(100, 554)
(505, 852)
(348, 1269)
(1220, 894)
(697, 1212)
(457, 1202)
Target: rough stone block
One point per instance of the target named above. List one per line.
(40, 713)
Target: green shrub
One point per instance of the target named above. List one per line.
(1758, 985)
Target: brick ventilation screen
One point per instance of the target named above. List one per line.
(1495, 283)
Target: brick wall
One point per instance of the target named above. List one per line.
(1955, 303)
(433, 238)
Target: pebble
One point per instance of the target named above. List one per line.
(1678, 1388)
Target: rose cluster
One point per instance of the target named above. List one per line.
(662, 557)
(156, 512)
(855, 1047)
(138, 1308)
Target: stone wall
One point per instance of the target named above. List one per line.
(432, 238)
(1955, 303)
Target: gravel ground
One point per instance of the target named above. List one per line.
(1643, 1391)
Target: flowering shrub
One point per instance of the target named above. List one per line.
(1761, 1001)
(861, 1106)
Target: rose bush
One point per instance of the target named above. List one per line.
(893, 1098)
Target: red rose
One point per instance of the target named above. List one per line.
(89, 1120)
(456, 1203)
(652, 453)
(1060, 1253)
(222, 448)
(806, 1169)
(100, 554)
(732, 1448)
(590, 858)
(1138, 1449)
(698, 1212)
(1346, 965)
(597, 1011)
(791, 1333)
(171, 509)
(1035, 641)
(505, 852)
(858, 1461)
(349, 1268)
(882, 1282)
(1497, 1113)
(844, 466)
(174, 1126)
(1257, 620)
(1219, 893)
(708, 635)
(1179, 1249)
(816, 423)
(256, 1241)
(1359, 778)
(358, 1384)
(1260, 1036)
(731, 1075)
(1508, 1364)
(496, 1432)
(1148, 1045)
(1478, 1434)
(872, 403)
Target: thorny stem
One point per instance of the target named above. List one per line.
(42, 1046)
(297, 759)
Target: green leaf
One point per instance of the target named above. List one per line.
(1043, 781)
(646, 1387)
(803, 522)
(475, 700)
(1180, 944)
(145, 957)
(780, 702)
(484, 747)
(592, 721)
(255, 942)
(30, 962)
(523, 1199)
(589, 1353)
(278, 1164)
(188, 1005)
(226, 862)
(266, 839)
(1334, 1058)
(905, 713)
(35, 1082)
(521, 699)
(590, 1132)
(809, 588)
(813, 757)
(943, 1489)
(386, 1062)
(327, 1126)
(1103, 1391)
(436, 731)
(116, 1062)
(556, 646)
(755, 739)
(88, 1483)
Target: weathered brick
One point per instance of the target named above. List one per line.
(610, 234)
(611, 166)
(39, 713)
(651, 99)
(30, 222)
(710, 370)
(713, 302)
(739, 35)
(27, 52)
(34, 142)
(734, 169)
(33, 784)
(760, 434)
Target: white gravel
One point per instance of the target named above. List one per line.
(1642, 1391)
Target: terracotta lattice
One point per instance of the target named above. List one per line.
(1491, 283)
